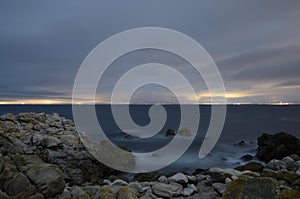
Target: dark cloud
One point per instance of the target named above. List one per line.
(256, 44)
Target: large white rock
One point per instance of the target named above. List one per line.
(287, 160)
(119, 182)
(166, 190)
(179, 178)
(231, 172)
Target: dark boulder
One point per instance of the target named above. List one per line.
(146, 177)
(170, 132)
(277, 146)
(251, 166)
(247, 157)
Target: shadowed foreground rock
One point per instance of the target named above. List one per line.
(259, 188)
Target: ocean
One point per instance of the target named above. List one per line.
(243, 123)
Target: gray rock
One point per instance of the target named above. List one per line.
(200, 177)
(119, 182)
(9, 117)
(228, 171)
(51, 141)
(276, 165)
(219, 187)
(47, 178)
(3, 195)
(178, 178)
(298, 163)
(205, 191)
(107, 182)
(281, 187)
(135, 186)
(187, 192)
(163, 179)
(125, 193)
(298, 172)
(77, 193)
(192, 186)
(111, 192)
(146, 189)
(149, 196)
(64, 195)
(17, 184)
(37, 138)
(287, 160)
(228, 180)
(36, 196)
(91, 190)
(166, 190)
(192, 179)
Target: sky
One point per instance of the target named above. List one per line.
(255, 45)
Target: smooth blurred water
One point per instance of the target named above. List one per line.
(243, 122)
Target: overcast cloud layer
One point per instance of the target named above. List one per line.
(255, 44)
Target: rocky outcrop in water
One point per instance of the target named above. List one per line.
(277, 146)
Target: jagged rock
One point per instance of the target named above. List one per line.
(51, 141)
(231, 172)
(64, 195)
(17, 184)
(187, 192)
(277, 146)
(192, 186)
(91, 190)
(276, 165)
(252, 188)
(295, 157)
(298, 172)
(192, 178)
(3, 195)
(135, 186)
(287, 160)
(112, 192)
(251, 166)
(205, 191)
(9, 117)
(166, 190)
(219, 187)
(78, 193)
(125, 193)
(170, 132)
(163, 179)
(178, 178)
(46, 177)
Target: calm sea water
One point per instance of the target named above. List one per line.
(243, 123)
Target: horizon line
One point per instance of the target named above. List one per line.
(79, 104)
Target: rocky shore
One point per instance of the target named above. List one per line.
(41, 156)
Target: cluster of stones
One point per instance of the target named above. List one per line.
(42, 156)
